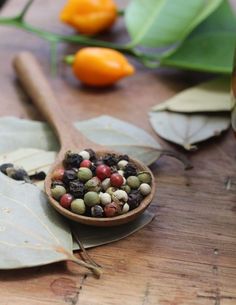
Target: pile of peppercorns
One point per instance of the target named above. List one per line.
(99, 186)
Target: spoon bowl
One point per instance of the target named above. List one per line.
(103, 221)
(36, 85)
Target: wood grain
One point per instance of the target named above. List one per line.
(187, 255)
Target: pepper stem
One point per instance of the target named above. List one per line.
(69, 59)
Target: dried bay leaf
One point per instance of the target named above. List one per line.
(16, 133)
(210, 96)
(31, 232)
(121, 136)
(116, 134)
(91, 236)
(188, 129)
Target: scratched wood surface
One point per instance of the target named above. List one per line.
(187, 255)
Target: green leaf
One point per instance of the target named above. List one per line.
(158, 23)
(188, 129)
(209, 96)
(114, 133)
(210, 47)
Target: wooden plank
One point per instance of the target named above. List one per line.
(186, 256)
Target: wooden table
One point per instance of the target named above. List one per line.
(187, 255)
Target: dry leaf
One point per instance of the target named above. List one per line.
(187, 130)
(31, 232)
(116, 134)
(210, 96)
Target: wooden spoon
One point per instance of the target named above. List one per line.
(36, 85)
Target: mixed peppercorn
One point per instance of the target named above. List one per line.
(99, 186)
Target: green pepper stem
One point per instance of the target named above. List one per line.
(69, 59)
(147, 59)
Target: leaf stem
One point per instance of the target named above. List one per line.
(149, 60)
(24, 10)
(95, 270)
(53, 55)
(178, 156)
(120, 12)
(85, 253)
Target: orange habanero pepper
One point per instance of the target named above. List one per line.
(89, 17)
(100, 66)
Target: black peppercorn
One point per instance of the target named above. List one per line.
(76, 188)
(98, 162)
(17, 174)
(57, 182)
(38, 176)
(130, 170)
(69, 176)
(72, 160)
(134, 199)
(92, 154)
(97, 211)
(93, 169)
(4, 166)
(110, 159)
(123, 157)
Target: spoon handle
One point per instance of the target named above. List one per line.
(38, 88)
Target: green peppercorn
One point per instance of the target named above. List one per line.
(93, 184)
(84, 174)
(145, 177)
(106, 183)
(91, 199)
(78, 206)
(126, 188)
(133, 182)
(58, 191)
(111, 190)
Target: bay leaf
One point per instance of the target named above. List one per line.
(121, 136)
(31, 232)
(210, 47)
(116, 134)
(158, 23)
(209, 96)
(92, 236)
(188, 129)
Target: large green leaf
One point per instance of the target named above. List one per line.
(188, 129)
(210, 47)
(210, 96)
(157, 23)
(106, 130)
